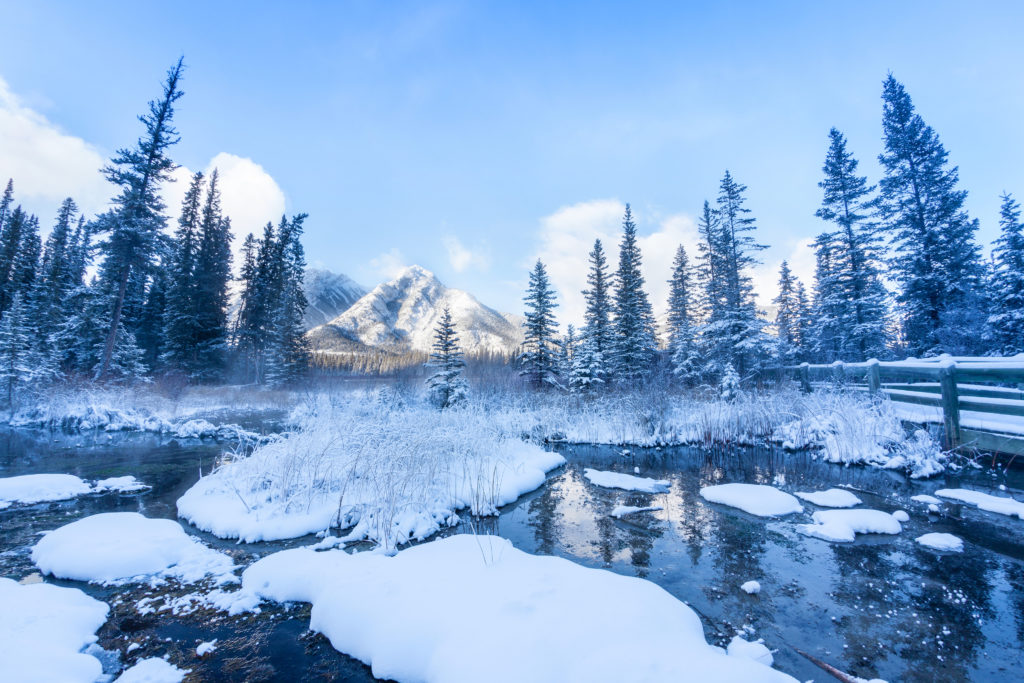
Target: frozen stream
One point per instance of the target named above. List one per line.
(882, 606)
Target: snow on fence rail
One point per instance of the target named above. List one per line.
(962, 391)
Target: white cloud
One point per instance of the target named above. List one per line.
(389, 264)
(461, 257)
(567, 236)
(46, 163)
(801, 262)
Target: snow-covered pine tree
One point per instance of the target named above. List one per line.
(734, 331)
(1007, 315)
(566, 352)
(787, 317)
(634, 342)
(804, 321)
(447, 385)
(862, 301)
(538, 359)
(16, 223)
(827, 308)
(181, 324)
(729, 387)
(213, 273)
(588, 366)
(682, 342)
(597, 318)
(16, 359)
(936, 264)
(135, 223)
(287, 352)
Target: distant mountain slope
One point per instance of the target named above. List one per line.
(329, 295)
(401, 315)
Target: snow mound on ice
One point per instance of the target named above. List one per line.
(832, 498)
(626, 482)
(40, 488)
(941, 542)
(127, 484)
(931, 500)
(621, 511)
(763, 501)
(751, 587)
(117, 547)
(152, 670)
(406, 616)
(985, 501)
(43, 632)
(842, 526)
(901, 516)
(746, 649)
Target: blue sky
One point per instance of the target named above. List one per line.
(472, 137)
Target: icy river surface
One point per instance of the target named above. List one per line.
(882, 606)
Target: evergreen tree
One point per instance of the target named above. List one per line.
(633, 347)
(861, 299)
(287, 353)
(136, 221)
(16, 359)
(936, 264)
(597, 318)
(11, 253)
(787, 317)
(181, 330)
(827, 308)
(538, 357)
(6, 202)
(212, 275)
(681, 329)
(1007, 316)
(150, 337)
(588, 367)
(567, 350)
(804, 322)
(447, 385)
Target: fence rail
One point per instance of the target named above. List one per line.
(980, 399)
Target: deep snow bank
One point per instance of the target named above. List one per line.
(530, 618)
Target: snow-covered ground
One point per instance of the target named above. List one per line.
(842, 526)
(115, 547)
(28, 489)
(389, 472)
(532, 618)
(152, 670)
(626, 482)
(832, 498)
(941, 541)
(763, 501)
(985, 501)
(43, 630)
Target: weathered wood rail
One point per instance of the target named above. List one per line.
(980, 399)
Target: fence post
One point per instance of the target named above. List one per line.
(874, 377)
(805, 378)
(950, 403)
(839, 372)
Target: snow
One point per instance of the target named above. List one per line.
(985, 501)
(389, 472)
(117, 547)
(924, 498)
(206, 648)
(763, 501)
(43, 632)
(901, 516)
(841, 526)
(832, 498)
(626, 482)
(407, 617)
(751, 587)
(621, 511)
(127, 484)
(152, 670)
(755, 651)
(940, 541)
(40, 488)
(328, 295)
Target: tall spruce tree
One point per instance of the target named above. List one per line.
(862, 301)
(828, 305)
(936, 264)
(538, 358)
(634, 342)
(682, 342)
(1007, 314)
(212, 276)
(597, 319)
(447, 385)
(787, 316)
(181, 330)
(287, 352)
(135, 223)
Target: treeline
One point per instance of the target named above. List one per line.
(898, 272)
(116, 297)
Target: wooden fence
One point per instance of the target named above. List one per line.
(981, 402)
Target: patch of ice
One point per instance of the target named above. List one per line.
(755, 651)
(751, 588)
(923, 498)
(28, 489)
(152, 670)
(43, 631)
(832, 498)
(126, 484)
(939, 541)
(842, 526)
(763, 501)
(985, 501)
(117, 547)
(621, 511)
(626, 482)
(405, 616)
